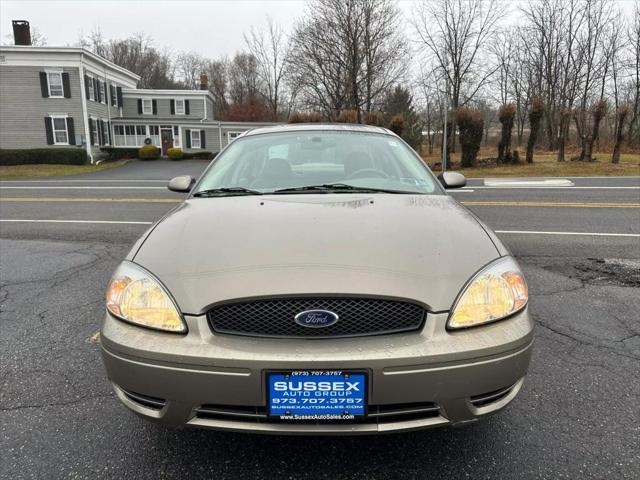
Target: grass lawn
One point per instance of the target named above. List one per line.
(16, 172)
(545, 165)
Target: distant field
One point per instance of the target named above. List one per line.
(545, 165)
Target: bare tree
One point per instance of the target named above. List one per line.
(633, 42)
(594, 51)
(455, 35)
(347, 53)
(270, 49)
(137, 54)
(244, 81)
(189, 67)
(217, 72)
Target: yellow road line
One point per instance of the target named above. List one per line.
(553, 204)
(88, 200)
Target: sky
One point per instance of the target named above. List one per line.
(212, 28)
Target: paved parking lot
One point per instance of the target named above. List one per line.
(577, 416)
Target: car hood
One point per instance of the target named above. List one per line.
(419, 247)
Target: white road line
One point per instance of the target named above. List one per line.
(552, 188)
(582, 234)
(520, 182)
(80, 181)
(461, 191)
(82, 188)
(611, 177)
(108, 222)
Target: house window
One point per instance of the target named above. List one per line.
(103, 95)
(195, 138)
(176, 136)
(92, 93)
(147, 106)
(54, 79)
(105, 132)
(119, 139)
(179, 107)
(232, 136)
(93, 124)
(60, 135)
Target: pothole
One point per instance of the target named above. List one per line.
(603, 271)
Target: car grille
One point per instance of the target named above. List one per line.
(377, 414)
(357, 317)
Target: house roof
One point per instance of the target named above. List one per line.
(140, 92)
(31, 50)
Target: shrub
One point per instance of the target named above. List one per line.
(536, 111)
(301, 117)
(506, 115)
(175, 153)
(148, 152)
(471, 128)
(396, 125)
(31, 156)
(201, 155)
(116, 153)
(348, 116)
(374, 118)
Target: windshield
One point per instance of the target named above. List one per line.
(335, 161)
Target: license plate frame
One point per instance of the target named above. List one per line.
(342, 405)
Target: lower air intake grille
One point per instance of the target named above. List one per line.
(356, 317)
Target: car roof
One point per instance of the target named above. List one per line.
(301, 127)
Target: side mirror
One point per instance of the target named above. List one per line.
(183, 183)
(452, 180)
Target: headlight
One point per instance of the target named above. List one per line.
(495, 292)
(136, 296)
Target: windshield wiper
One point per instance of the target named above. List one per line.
(339, 187)
(226, 192)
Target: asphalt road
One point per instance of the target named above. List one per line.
(578, 415)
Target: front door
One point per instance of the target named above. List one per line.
(166, 136)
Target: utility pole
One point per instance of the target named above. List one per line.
(444, 138)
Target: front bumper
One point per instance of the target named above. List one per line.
(418, 380)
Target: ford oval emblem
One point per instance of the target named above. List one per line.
(316, 318)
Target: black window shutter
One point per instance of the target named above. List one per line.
(203, 143)
(66, 85)
(99, 91)
(49, 129)
(44, 85)
(99, 122)
(119, 96)
(140, 106)
(96, 91)
(154, 103)
(187, 137)
(109, 129)
(186, 107)
(92, 129)
(86, 87)
(71, 133)
(112, 90)
(172, 106)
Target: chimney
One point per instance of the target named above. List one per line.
(21, 32)
(204, 82)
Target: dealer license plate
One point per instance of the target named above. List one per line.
(316, 395)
